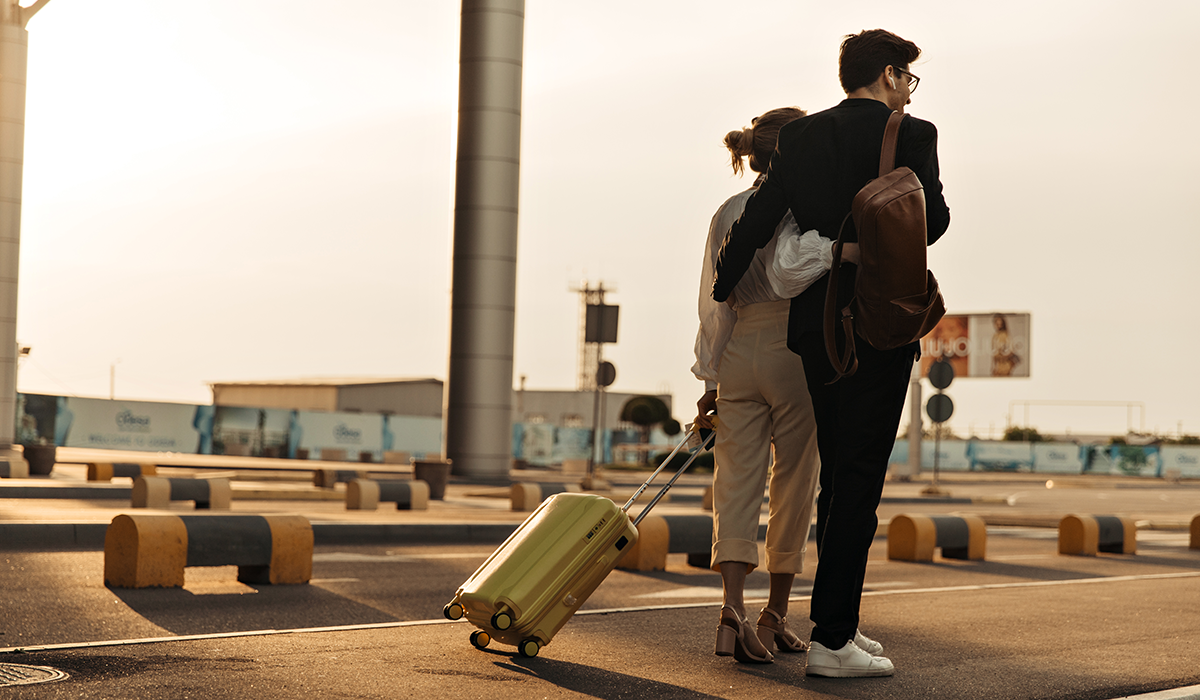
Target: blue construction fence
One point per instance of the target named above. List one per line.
(69, 421)
(1056, 458)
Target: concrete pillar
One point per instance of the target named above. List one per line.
(478, 394)
(14, 43)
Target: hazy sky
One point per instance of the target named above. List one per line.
(263, 189)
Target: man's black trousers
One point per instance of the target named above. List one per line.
(857, 419)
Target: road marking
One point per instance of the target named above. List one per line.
(354, 557)
(714, 592)
(1191, 692)
(602, 611)
(917, 591)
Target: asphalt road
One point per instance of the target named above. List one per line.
(1026, 623)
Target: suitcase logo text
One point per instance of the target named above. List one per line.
(596, 528)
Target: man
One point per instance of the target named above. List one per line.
(821, 162)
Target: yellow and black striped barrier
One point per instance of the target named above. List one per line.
(915, 537)
(527, 495)
(159, 491)
(1090, 534)
(365, 494)
(151, 551)
(660, 535)
(105, 471)
(328, 478)
(13, 467)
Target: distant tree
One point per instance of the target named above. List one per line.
(1015, 434)
(1183, 440)
(646, 412)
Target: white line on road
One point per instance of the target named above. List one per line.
(354, 557)
(1191, 692)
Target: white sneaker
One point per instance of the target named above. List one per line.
(847, 662)
(867, 644)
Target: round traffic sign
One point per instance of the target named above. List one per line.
(606, 374)
(939, 408)
(941, 373)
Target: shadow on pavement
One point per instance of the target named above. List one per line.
(598, 683)
(268, 607)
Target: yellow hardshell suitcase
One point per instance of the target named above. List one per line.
(534, 582)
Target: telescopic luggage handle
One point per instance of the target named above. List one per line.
(706, 439)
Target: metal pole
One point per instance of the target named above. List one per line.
(14, 52)
(915, 424)
(478, 394)
(591, 465)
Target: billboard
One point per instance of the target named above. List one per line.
(133, 425)
(980, 345)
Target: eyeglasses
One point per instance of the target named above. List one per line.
(913, 81)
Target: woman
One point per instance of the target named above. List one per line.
(1004, 360)
(757, 386)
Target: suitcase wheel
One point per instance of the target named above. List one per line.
(529, 648)
(453, 611)
(502, 620)
(480, 639)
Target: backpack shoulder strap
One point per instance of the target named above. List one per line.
(891, 133)
(847, 363)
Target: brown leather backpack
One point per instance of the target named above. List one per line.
(896, 298)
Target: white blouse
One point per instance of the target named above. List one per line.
(782, 269)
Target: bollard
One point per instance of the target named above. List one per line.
(151, 551)
(526, 496)
(365, 494)
(158, 492)
(1194, 543)
(915, 537)
(13, 467)
(706, 501)
(1088, 535)
(649, 552)
(105, 471)
(328, 478)
(659, 535)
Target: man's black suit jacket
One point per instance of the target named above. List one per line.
(820, 163)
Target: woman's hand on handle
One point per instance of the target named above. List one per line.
(707, 402)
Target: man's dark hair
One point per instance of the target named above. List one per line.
(865, 55)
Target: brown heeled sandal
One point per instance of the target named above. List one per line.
(777, 630)
(732, 634)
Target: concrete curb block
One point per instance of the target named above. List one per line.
(158, 492)
(412, 533)
(526, 496)
(152, 551)
(912, 537)
(660, 535)
(1088, 535)
(105, 471)
(365, 494)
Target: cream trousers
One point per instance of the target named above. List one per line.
(763, 400)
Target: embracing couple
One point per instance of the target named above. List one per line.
(761, 352)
